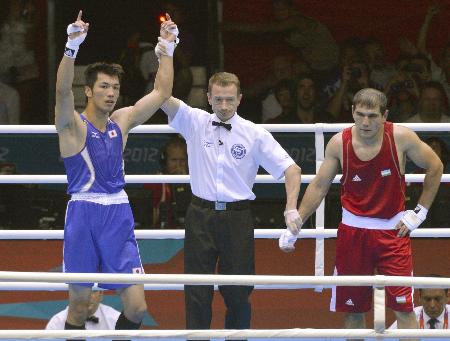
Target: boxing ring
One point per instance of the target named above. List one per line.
(41, 281)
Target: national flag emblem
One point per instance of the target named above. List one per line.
(112, 133)
(400, 299)
(386, 172)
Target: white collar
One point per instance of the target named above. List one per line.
(440, 318)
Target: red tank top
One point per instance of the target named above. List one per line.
(373, 188)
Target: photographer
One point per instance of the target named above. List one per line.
(355, 76)
(433, 106)
(402, 92)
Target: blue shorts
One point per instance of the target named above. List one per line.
(100, 239)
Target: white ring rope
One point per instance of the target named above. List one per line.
(189, 279)
(224, 333)
(179, 234)
(37, 286)
(174, 179)
(275, 128)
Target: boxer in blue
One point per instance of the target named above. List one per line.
(99, 229)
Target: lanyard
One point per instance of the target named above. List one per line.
(422, 324)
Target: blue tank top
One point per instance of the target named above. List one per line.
(99, 167)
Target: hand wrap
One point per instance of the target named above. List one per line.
(413, 219)
(293, 220)
(287, 240)
(73, 45)
(165, 47)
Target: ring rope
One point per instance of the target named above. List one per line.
(189, 279)
(179, 234)
(225, 333)
(37, 286)
(275, 128)
(139, 179)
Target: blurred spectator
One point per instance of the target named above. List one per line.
(9, 105)
(17, 59)
(432, 105)
(18, 66)
(285, 96)
(436, 71)
(439, 214)
(310, 38)
(184, 53)
(170, 201)
(419, 68)
(402, 93)
(101, 316)
(140, 64)
(282, 69)
(349, 51)
(355, 76)
(445, 64)
(423, 67)
(380, 71)
(10, 199)
(440, 148)
(307, 107)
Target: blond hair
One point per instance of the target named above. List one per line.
(224, 79)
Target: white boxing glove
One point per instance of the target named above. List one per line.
(287, 240)
(73, 44)
(293, 220)
(413, 219)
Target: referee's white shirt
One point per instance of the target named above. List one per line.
(223, 164)
(418, 311)
(107, 318)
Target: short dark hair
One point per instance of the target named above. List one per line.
(110, 69)
(435, 276)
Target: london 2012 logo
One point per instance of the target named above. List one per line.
(238, 151)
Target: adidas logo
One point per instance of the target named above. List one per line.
(349, 301)
(356, 178)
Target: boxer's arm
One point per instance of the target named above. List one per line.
(70, 128)
(424, 157)
(319, 186)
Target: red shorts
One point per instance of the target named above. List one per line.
(359, 252)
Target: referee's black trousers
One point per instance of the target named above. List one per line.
(222, 239)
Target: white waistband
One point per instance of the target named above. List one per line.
(351, 219)
(102, 198)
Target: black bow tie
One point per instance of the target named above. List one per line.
(432, 323)
(93, 319)
(227, 126)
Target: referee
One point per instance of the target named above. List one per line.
(225, 152)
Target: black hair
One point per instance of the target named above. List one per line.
(110, 69)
